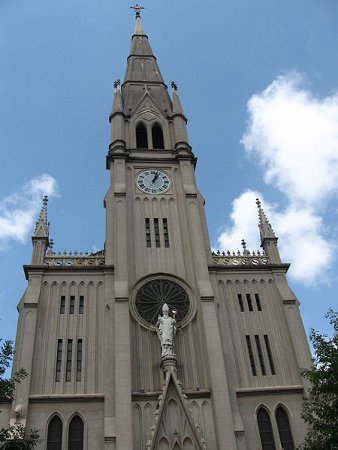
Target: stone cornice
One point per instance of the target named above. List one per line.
(66, 398)
(202, 393)
(213, 268)
(274, 390)
(42, 270)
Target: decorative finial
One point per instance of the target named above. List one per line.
(117, 83)
(137, 8)
(174, 85)
(243, 245)
(258, 202)
(45, 200)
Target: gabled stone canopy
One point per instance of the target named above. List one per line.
(175, 427)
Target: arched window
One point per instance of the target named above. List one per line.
(157, 134)
(141, 136)
(265, 430)
(75, 438)
(54, 436)
(284, 429)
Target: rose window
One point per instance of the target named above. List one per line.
(154, 294)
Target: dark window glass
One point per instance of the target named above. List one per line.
(148, 236)
(157, 233)
(284, 429)
(75, 439)
(248, 298)
(58, 361)
(79, 360)
(69, 360)
(81, 304)
(240, 302)
(62, 304)
(258, 302)
(141, 136)
(251, 356)
(265, 430)
(54, 436)
(72, 304)
(165, 233)
(260, 354)
(268, 350)
(157, 134)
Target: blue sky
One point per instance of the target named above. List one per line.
(258, 83)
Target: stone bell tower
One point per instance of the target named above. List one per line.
(155, 342)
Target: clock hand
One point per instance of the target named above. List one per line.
(155, 177)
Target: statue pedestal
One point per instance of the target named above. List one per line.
(168, 364)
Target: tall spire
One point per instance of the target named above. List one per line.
(268, 236)
(143, 74)
(40, 237)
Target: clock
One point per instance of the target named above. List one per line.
(153, 181)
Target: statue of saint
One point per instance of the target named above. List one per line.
(166, 330)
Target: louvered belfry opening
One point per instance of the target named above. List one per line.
(157, 135)
(141, 136)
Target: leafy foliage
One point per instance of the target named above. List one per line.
(13, 437)
(320, 411)
(7, 385)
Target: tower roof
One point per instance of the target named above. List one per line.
(265, 228)
(143, 74)
(42, 225)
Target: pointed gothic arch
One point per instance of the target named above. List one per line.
(54, 433)
(141, 136)
(76, 433)
(284, 428)
(157, 136)
(265, 429)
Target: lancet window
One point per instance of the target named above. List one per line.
(284, 429)
(265, 430)
(54, 436)
(75, 439)
(141, 136)
(157, 135)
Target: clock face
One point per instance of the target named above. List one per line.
(153, 181)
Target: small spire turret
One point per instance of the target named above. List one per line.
(117, 120)
(180, 122)
(268, 237)
(42, 226)
(40, 237)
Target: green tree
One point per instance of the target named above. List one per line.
(13, 437)
(320, 411)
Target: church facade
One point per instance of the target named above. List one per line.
(155, 342)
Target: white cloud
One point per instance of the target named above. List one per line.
(293, 136)
(19, 211)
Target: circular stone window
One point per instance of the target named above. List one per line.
(151, 297)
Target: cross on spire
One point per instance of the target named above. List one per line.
(137, 8)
